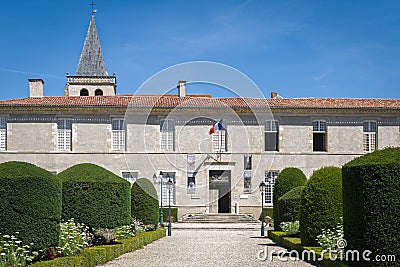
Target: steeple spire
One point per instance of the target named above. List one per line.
(91, 77)
(91, 62)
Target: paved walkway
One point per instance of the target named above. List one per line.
(201, 247)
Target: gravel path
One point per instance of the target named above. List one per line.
(205, 248)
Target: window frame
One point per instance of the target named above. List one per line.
(118, 134)
(269, 188)
(271, 127)
(3, 134)
(64, 134)
(370, 136)
(165, 191)
(98, 92)
(218, 140)
(84, 92)
(167, 134)
(130, 180)
(320, 128)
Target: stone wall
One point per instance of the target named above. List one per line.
(35, 140)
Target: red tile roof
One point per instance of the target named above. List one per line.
(172, 101)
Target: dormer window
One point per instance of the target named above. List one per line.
(84, 92)
(98, 92)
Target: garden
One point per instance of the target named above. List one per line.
(84, 216)
(347, 216)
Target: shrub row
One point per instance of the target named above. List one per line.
(30, 203)
(287, 179)
(294, 244)
(289, 205)
(33, 201)
(95, 196)
(94, 256)
(145, 201)
(321, 204)
(371, 205)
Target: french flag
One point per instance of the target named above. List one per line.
(216, 127)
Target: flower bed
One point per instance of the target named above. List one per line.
(294, 243)
(93, 256)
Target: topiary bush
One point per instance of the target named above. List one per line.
(320, 204)
(95, 196)
(289, 205)
(371, 205)
(287, 179)
(30, 203)
(145, 202)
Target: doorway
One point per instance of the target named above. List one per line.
(220, 182)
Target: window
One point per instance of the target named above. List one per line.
(118, 134)
(219, 141)
(168, 196)
(84, 92)
(167, 130)
(130, 176)
(98, 92)
(271, 136)
(319, 136)
(247, 173)
(3, 134)
(269, 180)
(64, 132)
(369, 136)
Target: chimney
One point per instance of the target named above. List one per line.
(274, 94)
(36, 87)
(182, 88)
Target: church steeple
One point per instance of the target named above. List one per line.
(91, 77)
(91, 62)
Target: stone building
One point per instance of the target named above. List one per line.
(143, 135)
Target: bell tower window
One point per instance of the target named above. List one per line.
(84, 92)
(98, 92)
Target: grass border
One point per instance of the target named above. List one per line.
(94, 256)
(294, 243)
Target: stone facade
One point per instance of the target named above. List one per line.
(32, 137)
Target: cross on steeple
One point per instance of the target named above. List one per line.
(93, 4)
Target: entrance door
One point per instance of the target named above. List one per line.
(220, 181)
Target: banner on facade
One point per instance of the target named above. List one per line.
(191, 174)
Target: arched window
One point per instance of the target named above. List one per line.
(98, 92)
(84, 92)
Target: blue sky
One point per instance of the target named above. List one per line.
(297, 48)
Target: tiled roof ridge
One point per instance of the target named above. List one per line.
(169, 101)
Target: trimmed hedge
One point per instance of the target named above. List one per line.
(30, 203)
(145, 202)
(95, 196)
(288, 179)
(371, 204)
(321, 204)
(94, 256)
(174, 213)
(289, 205)
(294, 246)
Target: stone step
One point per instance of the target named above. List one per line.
(218, 218)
